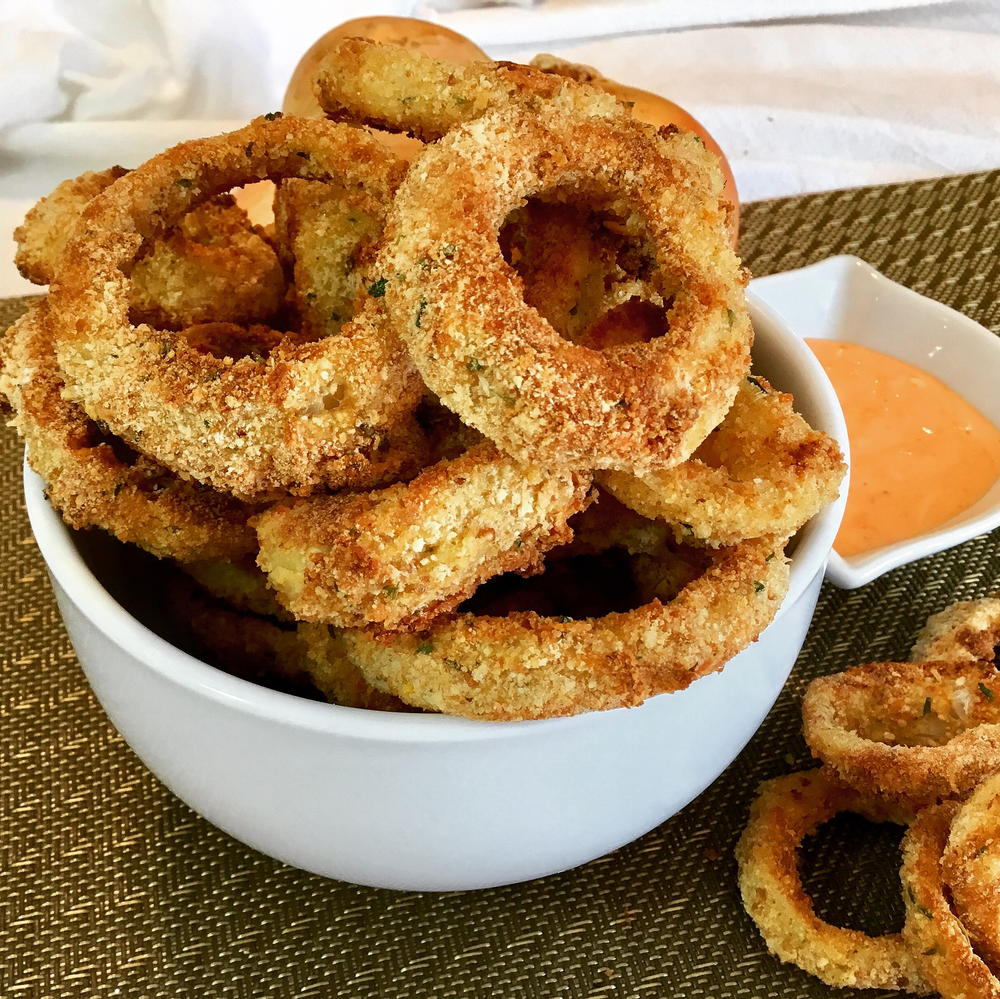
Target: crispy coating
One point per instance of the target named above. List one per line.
(402, 90)
(971, 866)
(323, 232)
(913, 732)
(238, 584)
(969, 629)
(763, 470)
(411, 552)
(933, 933)
(214, 266)
(524, 666)
(788, 809)
(284, 422)
(259, 649)
(504, 369)
(94, 479)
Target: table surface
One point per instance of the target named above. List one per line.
(110, 886)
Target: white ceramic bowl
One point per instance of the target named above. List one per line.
(425, 801)
(844, 298)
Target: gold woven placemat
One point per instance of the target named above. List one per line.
(110, 887)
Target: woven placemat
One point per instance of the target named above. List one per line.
(109, 886)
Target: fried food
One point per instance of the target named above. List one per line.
(238, 584)
(969, 629)
(503, 368)
(971, 868)
(933, 933)
(404, 90)
(406, 554)
(248, 426)
(214, 266)
(323, 231)
(913, 732)
(94, 479)
(762, 470)
(788, 809)
(524, 666)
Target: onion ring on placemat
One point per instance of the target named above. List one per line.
(403, 555)
(763, 470)
(95, 480)
(914, 732)
(971, 865)
(969, 629)
(247, 426)
(938, 941)
(497, 362)
(788, 809)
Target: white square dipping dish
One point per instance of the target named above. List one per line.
(844, 298)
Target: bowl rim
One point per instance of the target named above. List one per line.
(75, 578)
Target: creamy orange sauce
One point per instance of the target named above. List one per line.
(920, 454)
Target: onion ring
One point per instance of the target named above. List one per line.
(937, 939)
(913, 732)
(94, 479)
(523, 666)
(214, 266)
(763, 470)
(403, 90)
(238, 584)
(967, 630)
(496, 362)
(971, 865)
(406, 554)
(788, 809)
(248, 427)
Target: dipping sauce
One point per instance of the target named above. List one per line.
(920, 454)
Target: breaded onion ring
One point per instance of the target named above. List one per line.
(239, 584)
(914, 732)
(763, 470)
(503, 368)
(403, 90)
(258, 649)
(971, 865)
(788, 809)
(214, 266)
(406, 554)
(94, 479)
(247, 426)
(968, 630)
(322, 231)
(938, 941)
(524, 666)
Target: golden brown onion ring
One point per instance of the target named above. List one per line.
(913, 732)
(971, 866)
(496, 362)
(933, 933)
(524, 666)
(788, 809)
(249, 426)
(401, 556)
(763, 470)
(95, 480)
(969, 629)
(404, 90)
(213, 267)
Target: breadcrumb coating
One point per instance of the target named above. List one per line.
(411, 552)
(94, 479)
(524, 666)
(763, 470)
(504, 369)
(969, 629)
(786, 811)
(915, 733)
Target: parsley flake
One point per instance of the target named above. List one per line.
(377, 288)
